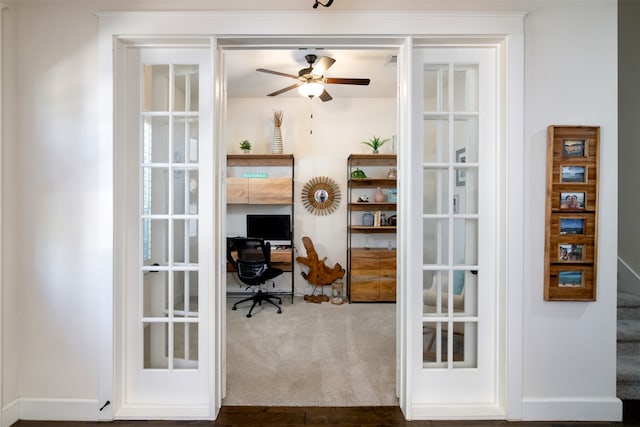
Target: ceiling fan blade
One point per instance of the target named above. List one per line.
(324, 96)
(283, 90)
(277, 73)
(343, 81)
(322, 66)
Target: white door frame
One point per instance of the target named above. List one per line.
(469, 28)
(2, 282)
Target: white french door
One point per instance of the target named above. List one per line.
(453, 284)
(167, 184)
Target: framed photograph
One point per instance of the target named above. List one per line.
(573, 147)
(461, 173)
(571, 225)
(570, 252)
(572, 200)
(573, 174)
(570, 279)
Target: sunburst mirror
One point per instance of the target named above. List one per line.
(321, 195)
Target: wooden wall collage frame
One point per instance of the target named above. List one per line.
(571, 231)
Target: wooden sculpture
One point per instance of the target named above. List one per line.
(319, 273)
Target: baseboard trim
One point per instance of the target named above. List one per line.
(456, 412)
(88, 410)
(10, 413)
(605, 409)
(165, 412)
(59, 409)
(628, 280)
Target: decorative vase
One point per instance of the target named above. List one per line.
(276, 142)
(336, 292)
(379, 197)
(367, 219)
(374, 151)
(246, 151)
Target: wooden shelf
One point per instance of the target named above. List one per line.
(363, 207)
(264, 196)
(373, 182)
(259, 159)
(372, 229)
(373, 159)
(370, 272)
(259, 191)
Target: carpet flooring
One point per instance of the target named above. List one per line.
(628, 350)
(311, 355)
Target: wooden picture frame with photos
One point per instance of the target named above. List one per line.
(571, 231)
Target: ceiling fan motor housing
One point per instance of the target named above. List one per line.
(305, 74)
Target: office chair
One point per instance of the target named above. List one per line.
(253, 266)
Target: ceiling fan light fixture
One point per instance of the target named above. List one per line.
(311, 89)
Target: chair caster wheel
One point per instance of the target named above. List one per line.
(279, 311)
(234, 308)
(249, 315)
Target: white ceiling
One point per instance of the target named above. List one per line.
(243, 81)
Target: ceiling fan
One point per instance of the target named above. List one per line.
(311, 79)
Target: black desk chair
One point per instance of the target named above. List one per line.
(253, 266)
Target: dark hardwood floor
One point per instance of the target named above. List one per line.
(246, 416)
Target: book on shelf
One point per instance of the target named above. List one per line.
(377, 219)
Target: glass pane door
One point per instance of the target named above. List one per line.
(168, 190)
(455, 149)
(169, 217)
(450, 214)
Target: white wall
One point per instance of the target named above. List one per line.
(56, 267)
(54, 262)
(570, 78)
(629, 148)
(320, 147)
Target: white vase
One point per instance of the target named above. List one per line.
(276, 142)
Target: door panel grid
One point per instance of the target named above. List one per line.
(450, 215)
(168, 294)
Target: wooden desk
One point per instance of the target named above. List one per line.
(280, 258)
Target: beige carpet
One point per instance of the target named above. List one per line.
(311, 355)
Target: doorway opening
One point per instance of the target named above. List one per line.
(311, 354)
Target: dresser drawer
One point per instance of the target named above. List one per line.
(362, 290)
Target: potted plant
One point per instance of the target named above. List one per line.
(375, 143)
(245, 146)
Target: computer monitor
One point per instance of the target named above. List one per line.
(275, 229)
